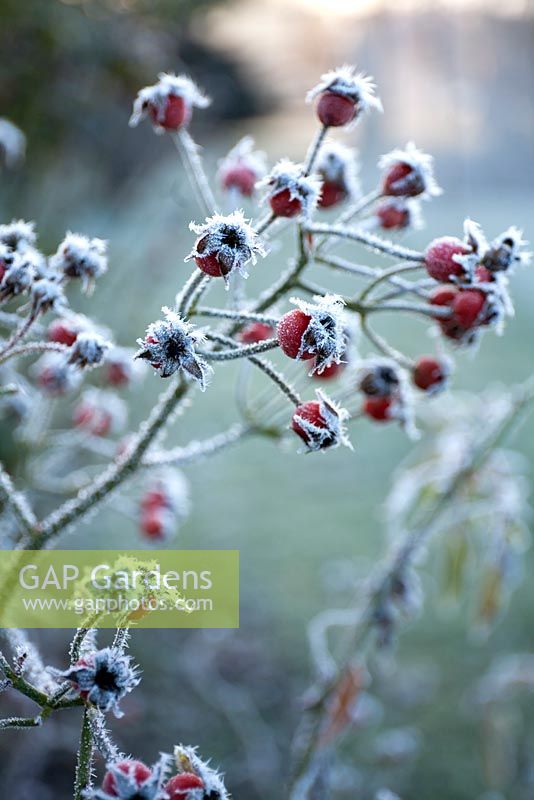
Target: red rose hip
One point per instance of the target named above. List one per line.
(179, 786)
(439, 258)
(135, 769)
(334, 110)
(430, 373)
(290, 331)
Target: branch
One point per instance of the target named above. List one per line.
(190, 155)
(371, 241)
(16, 502)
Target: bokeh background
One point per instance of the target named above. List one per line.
(456, 76)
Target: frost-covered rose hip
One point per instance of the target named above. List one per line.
(163, 505)
(314, 329)
(80, 257)
(396, 214)
(430, 373)
(443, 258)
(242, 168)
(290, 193)
(225, 244)
(102, 678)
(379, 408)
(136, 771)
(63, 331)
(128, 779)
(379, 378)
(343, 95)
(408, 173)
(256, 332)
(336, 166)
(186, 786)
(320, 423)
(99, 412)
(169, 345)
(169, 103)
(88, 350)
(468, 307)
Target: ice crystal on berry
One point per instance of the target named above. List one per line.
(18, 234)
(230, 240)
(242, 167)
(320, 424)
(103, 678)
(349, 83)
(169, 345)
(409, 172)
(287, 177)
(152, 100)
(88, 350)
(48, 295)
(131, 780)
(188, 760)
(326, 335)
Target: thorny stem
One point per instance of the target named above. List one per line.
(189, 152)
(85, 759)
(334, 262)
(19, 722)
(16, 502)
(264, 223)
(308, 737)
(239, 352)
(194, 287)
(371, 241)
(315, 147)
(19, 334)
(21, 685)
(116, 473)
(241, 316)
(32, 348)
(196, 450)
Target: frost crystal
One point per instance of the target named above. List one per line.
(331, 432)
(88, 350)
(421, 175)
(338, 164)
(18, 234)
(18, 277)
(103, 678)
(12, 143)
(506, 251)
(46, 295)
(325, 335)
(154, 98)
(231, 239)
(169, 345)
(80, 257)
(346, 82)
(289, 176)
(127, 787)
(187, 760)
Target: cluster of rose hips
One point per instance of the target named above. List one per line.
(472, 292)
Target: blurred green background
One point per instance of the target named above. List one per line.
(457, 78)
